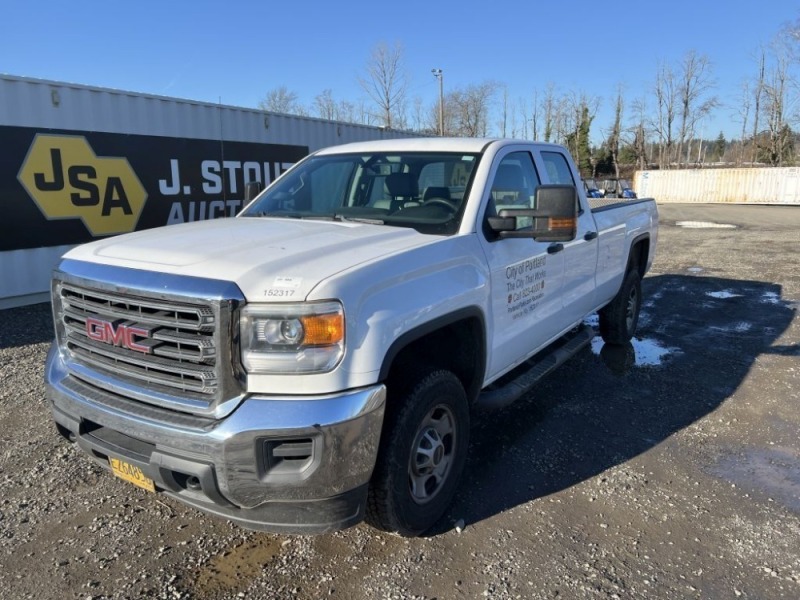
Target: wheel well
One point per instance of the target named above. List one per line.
(637, 259)
(457, 347)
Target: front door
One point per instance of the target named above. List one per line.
(526, 280)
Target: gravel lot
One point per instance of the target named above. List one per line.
(670, 469)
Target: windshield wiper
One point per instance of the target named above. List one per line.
(367, 221)
(290, 215)
(269, 213)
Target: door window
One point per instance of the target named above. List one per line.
(514, 185)
(557, 167)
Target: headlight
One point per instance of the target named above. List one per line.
(292, 338)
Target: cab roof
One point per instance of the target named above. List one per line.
(426, 144)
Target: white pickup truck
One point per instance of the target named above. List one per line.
(317, 359)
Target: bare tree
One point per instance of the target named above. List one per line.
(516, 133)
(665, 91)
(535, 115)
(743, 113)
(524, 117)
(363, 114)
(282, 100)
(467, 110)
(693, 88)
(565, 114)
(386, 83)
(792, 32)
(504, 118)
(325, 105)
(639, 132)
(775, 108)
(759, 92)
(348, 112)
(419, 122)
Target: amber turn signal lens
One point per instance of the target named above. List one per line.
(323, 330)
(567, 223)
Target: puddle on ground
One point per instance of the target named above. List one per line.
(235, 569)
(704, 225)
(773, 471)
(695, 269)
(620, 359)
(724, 294)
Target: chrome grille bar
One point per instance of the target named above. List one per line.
(158, 313)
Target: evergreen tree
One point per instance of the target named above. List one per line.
(719, 146)
(585, 163)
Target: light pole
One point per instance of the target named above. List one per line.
(440, 76)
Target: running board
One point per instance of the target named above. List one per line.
(521, 380)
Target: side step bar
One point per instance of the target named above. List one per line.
(518, 382)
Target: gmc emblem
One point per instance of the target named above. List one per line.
(124, 336)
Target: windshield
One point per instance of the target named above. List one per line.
(625, 184)
(425, 191)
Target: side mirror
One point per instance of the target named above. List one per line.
(555, 218)
(251, 190)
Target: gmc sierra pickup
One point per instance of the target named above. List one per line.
(317, 359)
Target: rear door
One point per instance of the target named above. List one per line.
(579, 255)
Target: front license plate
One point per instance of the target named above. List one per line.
(131, 473)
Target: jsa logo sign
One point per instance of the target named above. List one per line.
(67, 180)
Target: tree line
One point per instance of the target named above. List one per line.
(661, 128)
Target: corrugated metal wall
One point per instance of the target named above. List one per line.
(26, 102)
(25, 275)
(742, 186)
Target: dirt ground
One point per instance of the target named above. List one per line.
(668, 469)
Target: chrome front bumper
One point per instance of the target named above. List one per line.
(293, 464)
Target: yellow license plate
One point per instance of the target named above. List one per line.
(131, 473)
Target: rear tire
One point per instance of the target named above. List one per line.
(422, 455)
(618, 320)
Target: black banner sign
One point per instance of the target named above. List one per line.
(69, 187)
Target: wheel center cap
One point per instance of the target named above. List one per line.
(438, 455)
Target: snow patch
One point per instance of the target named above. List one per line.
(704, 225)
(724, 294)
(647, 352)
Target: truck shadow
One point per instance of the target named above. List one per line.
(589, 416)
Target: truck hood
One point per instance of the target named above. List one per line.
(269, 259)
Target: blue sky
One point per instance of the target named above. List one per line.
(237, 51)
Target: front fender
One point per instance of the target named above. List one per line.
(390, 298)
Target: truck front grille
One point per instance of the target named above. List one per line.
(172, 351)
(178, 339)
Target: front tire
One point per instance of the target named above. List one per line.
(422, 455)
(618, 320)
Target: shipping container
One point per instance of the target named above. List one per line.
(769, 185)
(81, 162)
